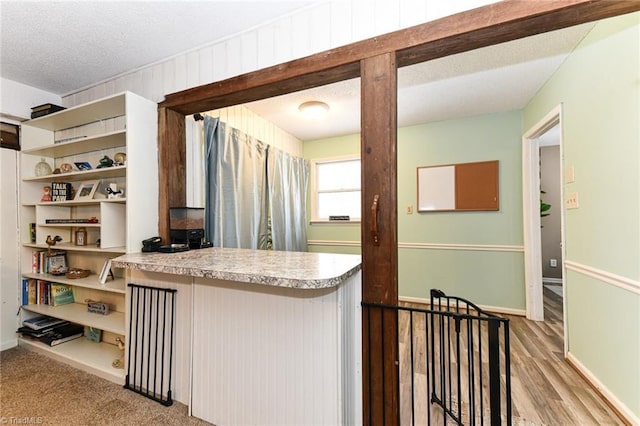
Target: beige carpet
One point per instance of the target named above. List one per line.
(37, 390)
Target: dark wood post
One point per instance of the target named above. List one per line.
(379, 239)
(172, 179)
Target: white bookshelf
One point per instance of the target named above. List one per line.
(123, 123)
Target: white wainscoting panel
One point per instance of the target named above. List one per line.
(271, 356)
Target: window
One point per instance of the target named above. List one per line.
(335, 188)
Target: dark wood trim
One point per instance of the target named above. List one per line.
(172, 166)
(484, 26)
(380, 237)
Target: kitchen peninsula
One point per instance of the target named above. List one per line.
(262, 337)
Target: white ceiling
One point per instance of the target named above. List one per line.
(71, 45)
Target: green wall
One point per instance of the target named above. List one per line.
(598, 87)
(473, 267)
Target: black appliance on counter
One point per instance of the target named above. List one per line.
(186, 226)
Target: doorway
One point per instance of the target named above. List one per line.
(547, 132)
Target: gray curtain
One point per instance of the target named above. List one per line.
(247, 183)
(236, 196)
(288, 181)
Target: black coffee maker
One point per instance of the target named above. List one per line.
(186, 226)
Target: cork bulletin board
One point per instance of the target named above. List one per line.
(459, 187)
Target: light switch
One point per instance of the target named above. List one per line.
(571, 200)
(569, 175)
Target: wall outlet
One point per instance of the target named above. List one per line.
(571, 201)
(409, 209)
(553, 263)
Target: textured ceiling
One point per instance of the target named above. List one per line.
(498, 78)
(62, 46)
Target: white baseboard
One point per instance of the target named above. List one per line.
(493, 309)
(8, 344)
(618, 405)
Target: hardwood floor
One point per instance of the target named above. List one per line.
(546, 390)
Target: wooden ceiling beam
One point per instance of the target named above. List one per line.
(484, 26)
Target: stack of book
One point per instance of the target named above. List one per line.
(45, 109)
(39, 292)
(49, 330)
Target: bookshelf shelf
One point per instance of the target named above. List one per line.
(95, 358)
(81, 145)
(115, 286)
(83, 202)
(109, 172)
(77, 312)
(72, 247)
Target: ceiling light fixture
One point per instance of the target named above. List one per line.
(314, 109)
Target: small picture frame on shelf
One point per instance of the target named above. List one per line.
(86, 190)
(106, 271)
(83, 166)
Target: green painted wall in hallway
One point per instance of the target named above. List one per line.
(599, 89)
(493, 278)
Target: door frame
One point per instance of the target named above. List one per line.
(531, 216)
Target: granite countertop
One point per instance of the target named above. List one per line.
(277, 268)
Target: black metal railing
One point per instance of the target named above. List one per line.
(151, 343)
(451, 356)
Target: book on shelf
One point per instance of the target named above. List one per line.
(29, 332)
(33, 291)
(43, 262)
(63, 221)
(61, 294)
(41, 322)
(25, 291)
(45, 109)
(63, 334)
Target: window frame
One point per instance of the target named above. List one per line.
(314, 188)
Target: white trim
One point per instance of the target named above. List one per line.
(313, 185)
(426, 246)
(622, 409)
(333, 243)
(9, 344)
(613, 279)
(493, 309)
(466, 247)
(546, 280)
(531, 216)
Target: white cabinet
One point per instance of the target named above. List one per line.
(124, 123)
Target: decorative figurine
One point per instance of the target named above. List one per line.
(46, 194)
(113, 191)
(66, 168)
(52, 242)
(105, 162)
(120, 159)
(119, 363)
